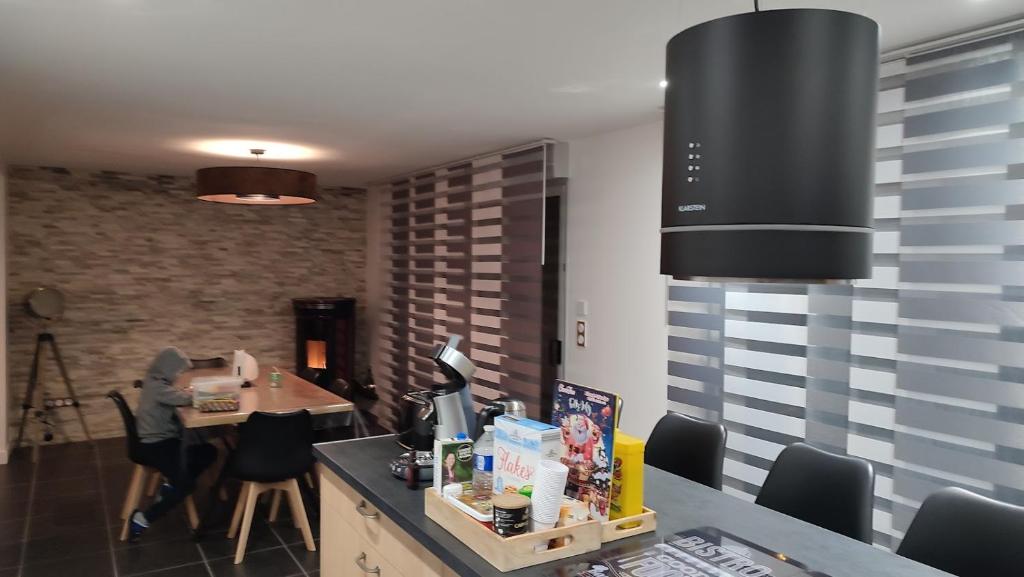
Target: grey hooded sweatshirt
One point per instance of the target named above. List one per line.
(156, 418)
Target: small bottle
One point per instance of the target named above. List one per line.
(412, 472)
(483, 464)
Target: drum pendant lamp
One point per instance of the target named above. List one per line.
(768, 170)
(256, 185)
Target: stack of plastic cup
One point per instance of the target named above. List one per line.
(548, 491)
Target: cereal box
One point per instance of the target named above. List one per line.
(453, 462)
(519, 444)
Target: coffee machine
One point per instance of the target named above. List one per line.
(504, 406)
(440, 413)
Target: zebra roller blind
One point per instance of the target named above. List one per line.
(463, 247)
(920, 369)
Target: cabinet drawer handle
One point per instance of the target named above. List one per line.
(361, 562)
(361, 508)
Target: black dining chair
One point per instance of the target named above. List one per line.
(210, 363)
(142, 470)
(966, 534)
(274, 451)
(689, 447)
(831, 491)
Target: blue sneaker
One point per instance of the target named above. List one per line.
(165, 491)
(137, 526)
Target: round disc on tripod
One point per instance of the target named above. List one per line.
(45, 303)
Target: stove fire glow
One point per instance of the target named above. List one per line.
(316, 354)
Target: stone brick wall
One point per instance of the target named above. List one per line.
(142, 264)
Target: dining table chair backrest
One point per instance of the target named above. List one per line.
(966, 534)
(689, 447)
(210, 363)
(274, 447)
(835, 492)
(131, 433)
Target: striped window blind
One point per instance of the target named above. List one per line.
(921, 368)
(463, 253)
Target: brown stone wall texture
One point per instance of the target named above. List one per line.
(142, 265)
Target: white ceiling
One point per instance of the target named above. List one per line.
(379, 86)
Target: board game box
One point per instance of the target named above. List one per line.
(586, 418)
(700, 552)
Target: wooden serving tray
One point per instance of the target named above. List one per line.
(508, 554)
(615, 530)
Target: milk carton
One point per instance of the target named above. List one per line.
(519, 444)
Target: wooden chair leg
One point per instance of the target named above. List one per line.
(126, 509)
(132, 499)
(190, 510)
(236, 517)
(295, 520)
(154, 482)
(250, 509)
(309, 481)
(275, 506)
(299, 514)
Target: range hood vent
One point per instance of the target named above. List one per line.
(769, 148)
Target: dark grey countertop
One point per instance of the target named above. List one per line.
(681, 505)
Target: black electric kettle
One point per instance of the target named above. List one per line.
(497, 407)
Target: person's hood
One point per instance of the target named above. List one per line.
(167, 365)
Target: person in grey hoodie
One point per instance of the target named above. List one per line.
(160, 431)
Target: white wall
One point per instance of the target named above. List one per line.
(612, 262)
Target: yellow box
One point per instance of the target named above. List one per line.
(627, 497)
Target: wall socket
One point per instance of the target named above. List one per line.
(581, 333)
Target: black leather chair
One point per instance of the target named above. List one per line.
(967, 535)
(832, 491)
(131, 433)
(210, 363)
(274, 450)
(689, 447)
(142, 470)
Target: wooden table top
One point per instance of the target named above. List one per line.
(293, 394)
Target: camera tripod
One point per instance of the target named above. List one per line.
(42, 416)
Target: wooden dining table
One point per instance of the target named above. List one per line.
(294, 394)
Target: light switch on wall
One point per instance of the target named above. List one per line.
(581, 333)
(582, 309)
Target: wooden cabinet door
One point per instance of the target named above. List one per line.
(354, 534)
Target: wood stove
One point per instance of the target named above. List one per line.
(325, 339)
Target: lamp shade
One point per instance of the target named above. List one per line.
(255, 185)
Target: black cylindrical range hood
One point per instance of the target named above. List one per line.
(769, 147)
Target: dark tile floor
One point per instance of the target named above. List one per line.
(60, 517)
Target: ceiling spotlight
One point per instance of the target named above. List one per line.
(663, 84)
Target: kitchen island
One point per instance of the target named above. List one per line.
(372, 525)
